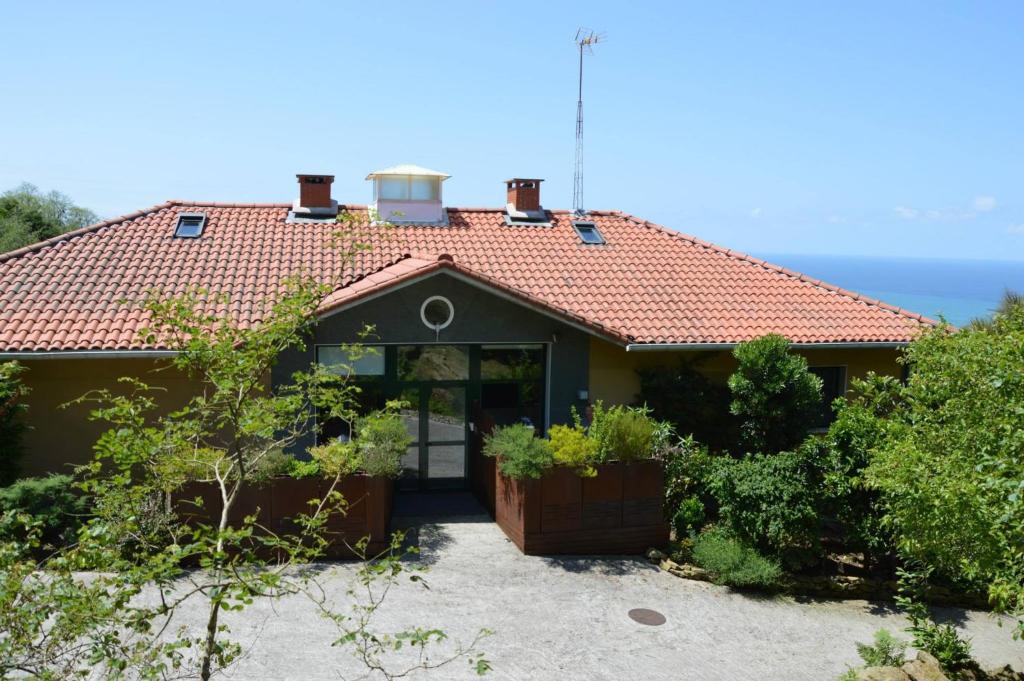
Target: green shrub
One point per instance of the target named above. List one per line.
(694, 404)
(570, 446)
(521, 455)
(273, 464)
(770, 502)
(623, 433)
(732, 563)
(887, 650)
(689, 517)
(774, 397)
(52, 501)
(382, 441)
(12, 405)
(940, 640)
(687, 467)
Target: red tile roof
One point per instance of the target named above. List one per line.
(647, 284)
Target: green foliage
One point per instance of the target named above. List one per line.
(942, 641)
(521, 455)
(53, 503)
(687, 467)
(693, 403)
(28, 216)
(770, 502)
(844, 455)
(731, 562)
(12, 406)
(689, 516)
(382, 441)
(774, 396)
(949, 460)
(887, 650)
(624, 433)
(571, 447)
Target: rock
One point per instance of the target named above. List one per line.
(923, 671)
(1004, 674)
(882, 674)
(928, 659)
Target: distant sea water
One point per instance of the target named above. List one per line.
(959, 290)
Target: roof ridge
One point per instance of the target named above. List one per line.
(39, 245)
(739, 255)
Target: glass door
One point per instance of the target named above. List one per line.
(436, 421)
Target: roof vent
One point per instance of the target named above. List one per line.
(408, 194)
(522, 205)
(315, 197)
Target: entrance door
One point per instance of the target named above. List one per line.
(436, 421)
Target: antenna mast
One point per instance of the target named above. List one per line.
(585, 40)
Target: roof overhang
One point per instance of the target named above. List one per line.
(823, 345)
(89, 354)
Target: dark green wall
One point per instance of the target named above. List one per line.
(480, 317)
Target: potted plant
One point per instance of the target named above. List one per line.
(595, 490)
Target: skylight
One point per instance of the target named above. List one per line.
(190, 225)
(588, 233)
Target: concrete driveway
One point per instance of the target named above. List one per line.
(567, 619)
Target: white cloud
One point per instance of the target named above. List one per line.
(755, 213)
(984, 204)
(907, 213)
(1015, 229)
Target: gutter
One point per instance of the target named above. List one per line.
(682, 347)
(89, 354)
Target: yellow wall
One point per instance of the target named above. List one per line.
(614, 380)
(56, 437)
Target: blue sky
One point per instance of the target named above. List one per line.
(853, 128)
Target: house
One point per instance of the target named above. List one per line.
(482, 316)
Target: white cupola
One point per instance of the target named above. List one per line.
(408, 194)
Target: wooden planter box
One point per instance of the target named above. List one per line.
(617, 512)
(279, 500)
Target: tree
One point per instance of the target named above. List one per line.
(774, 396)
(222, 436)
(28, 216)
(12, 406)
(949, 462)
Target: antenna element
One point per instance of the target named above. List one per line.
(585, 40)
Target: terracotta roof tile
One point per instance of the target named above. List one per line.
(647, 284)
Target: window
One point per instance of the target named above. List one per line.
(366, 360)
(588, 233)
(433, 363)
(833, 385)
(437, 312)
(190, 225)
(408, 188)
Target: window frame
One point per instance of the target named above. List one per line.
(580, 225)
(844, 388)
(190, 216)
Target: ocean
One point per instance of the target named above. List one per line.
(958, 290)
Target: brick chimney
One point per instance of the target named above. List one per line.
(315, 196)
(523, 194)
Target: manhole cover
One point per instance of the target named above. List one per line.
(651, 618)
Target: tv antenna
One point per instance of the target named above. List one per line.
(585, 41)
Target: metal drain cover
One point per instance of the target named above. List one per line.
(651, 618)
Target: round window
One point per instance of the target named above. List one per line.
(437, 312)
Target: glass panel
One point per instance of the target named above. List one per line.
(433, 363)
(395, 188)
(411, 412)
(411, 463)
(833, 385)
(423, 189)
(446, 420)
(364, 360)
(369, 398)
(512, 362)
(446, 461)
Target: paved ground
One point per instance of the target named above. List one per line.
(566, 619)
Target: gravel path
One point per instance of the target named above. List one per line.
(567, 619)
